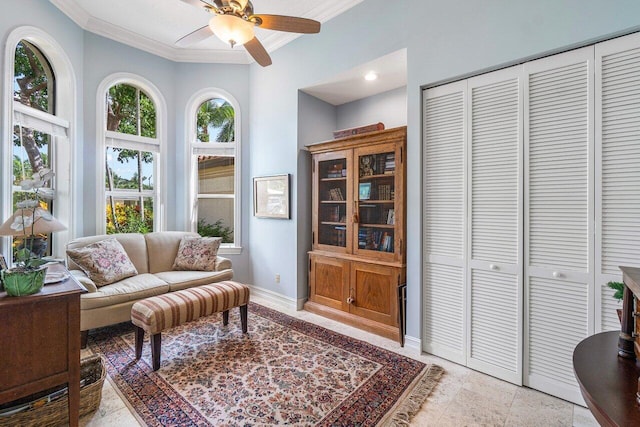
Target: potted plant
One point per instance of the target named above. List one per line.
(618, 287)
(29, 222)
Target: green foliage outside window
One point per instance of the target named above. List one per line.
(218, 116)
(129, 220)
(217, 229)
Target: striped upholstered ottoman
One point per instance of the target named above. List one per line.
(156, 314)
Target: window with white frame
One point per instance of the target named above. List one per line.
(215, 167)
(37, 132)
(131, 150)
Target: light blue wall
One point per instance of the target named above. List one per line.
(443, 39)
(389, 107)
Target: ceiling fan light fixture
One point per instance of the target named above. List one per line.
(231, 29)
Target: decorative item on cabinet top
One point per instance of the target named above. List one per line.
(358, 130)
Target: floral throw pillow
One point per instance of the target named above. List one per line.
(197, 253)
(105, 262)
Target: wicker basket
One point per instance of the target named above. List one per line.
(55, 413)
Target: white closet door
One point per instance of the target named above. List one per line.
(444, 221)
(558, 218)
(617, 168)
(495, 224)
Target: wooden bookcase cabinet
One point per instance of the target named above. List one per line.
(358, 260)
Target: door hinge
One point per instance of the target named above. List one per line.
(309, 264)
(401, 154)
(313, 237)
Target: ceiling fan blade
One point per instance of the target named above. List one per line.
(287, 23)
(195, 37)
(258, 52)
(204, 3)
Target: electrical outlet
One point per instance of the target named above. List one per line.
(277, 278)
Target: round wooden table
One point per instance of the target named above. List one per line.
(608, 383)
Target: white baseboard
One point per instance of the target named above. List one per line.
(276, 298)
(413, 343)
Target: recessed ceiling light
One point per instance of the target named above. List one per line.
(370, 76)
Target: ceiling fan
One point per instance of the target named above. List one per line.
(234, 22)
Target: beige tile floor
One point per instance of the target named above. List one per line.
(462, 398)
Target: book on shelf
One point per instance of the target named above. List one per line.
(333, 214)
(335, 171)
(390, 163)
(340, 235)
(335, 194)
(384, 192)
(391, 217)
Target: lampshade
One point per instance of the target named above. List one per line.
(231, 29)
(21, 222)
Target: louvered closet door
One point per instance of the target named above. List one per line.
(617, 168)
(558, 218)
(444, 221)
(495, 224)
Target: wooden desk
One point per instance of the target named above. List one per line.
(40, 342)
(608, 383)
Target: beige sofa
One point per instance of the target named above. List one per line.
(153, 255)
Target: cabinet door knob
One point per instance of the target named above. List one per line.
(349, 300)
(493, 267)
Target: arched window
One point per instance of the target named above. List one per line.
(132, 144)
(39, 113)
(214, 150)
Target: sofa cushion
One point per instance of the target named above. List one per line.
(179, 280)
(105, 262)
(162, 247)
(130, 289)
(197, 253)
(133, 243)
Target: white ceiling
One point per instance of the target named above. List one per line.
(155, 25)
(349, 86)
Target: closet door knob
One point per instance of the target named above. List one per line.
(557, 275)
(493, 267)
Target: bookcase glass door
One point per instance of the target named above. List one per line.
(376, 201)
(332, 204)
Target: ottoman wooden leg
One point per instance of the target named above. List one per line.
(156, 344)
(243, 318)
(139, 340)
(84, 337)
(225, 317)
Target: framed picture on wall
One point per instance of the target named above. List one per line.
(271, 196)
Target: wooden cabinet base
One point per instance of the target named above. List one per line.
(391, 332)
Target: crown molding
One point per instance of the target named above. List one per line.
(73, 11)
(270, 40)
(146, 44)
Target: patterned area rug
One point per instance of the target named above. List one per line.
(284, 371)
